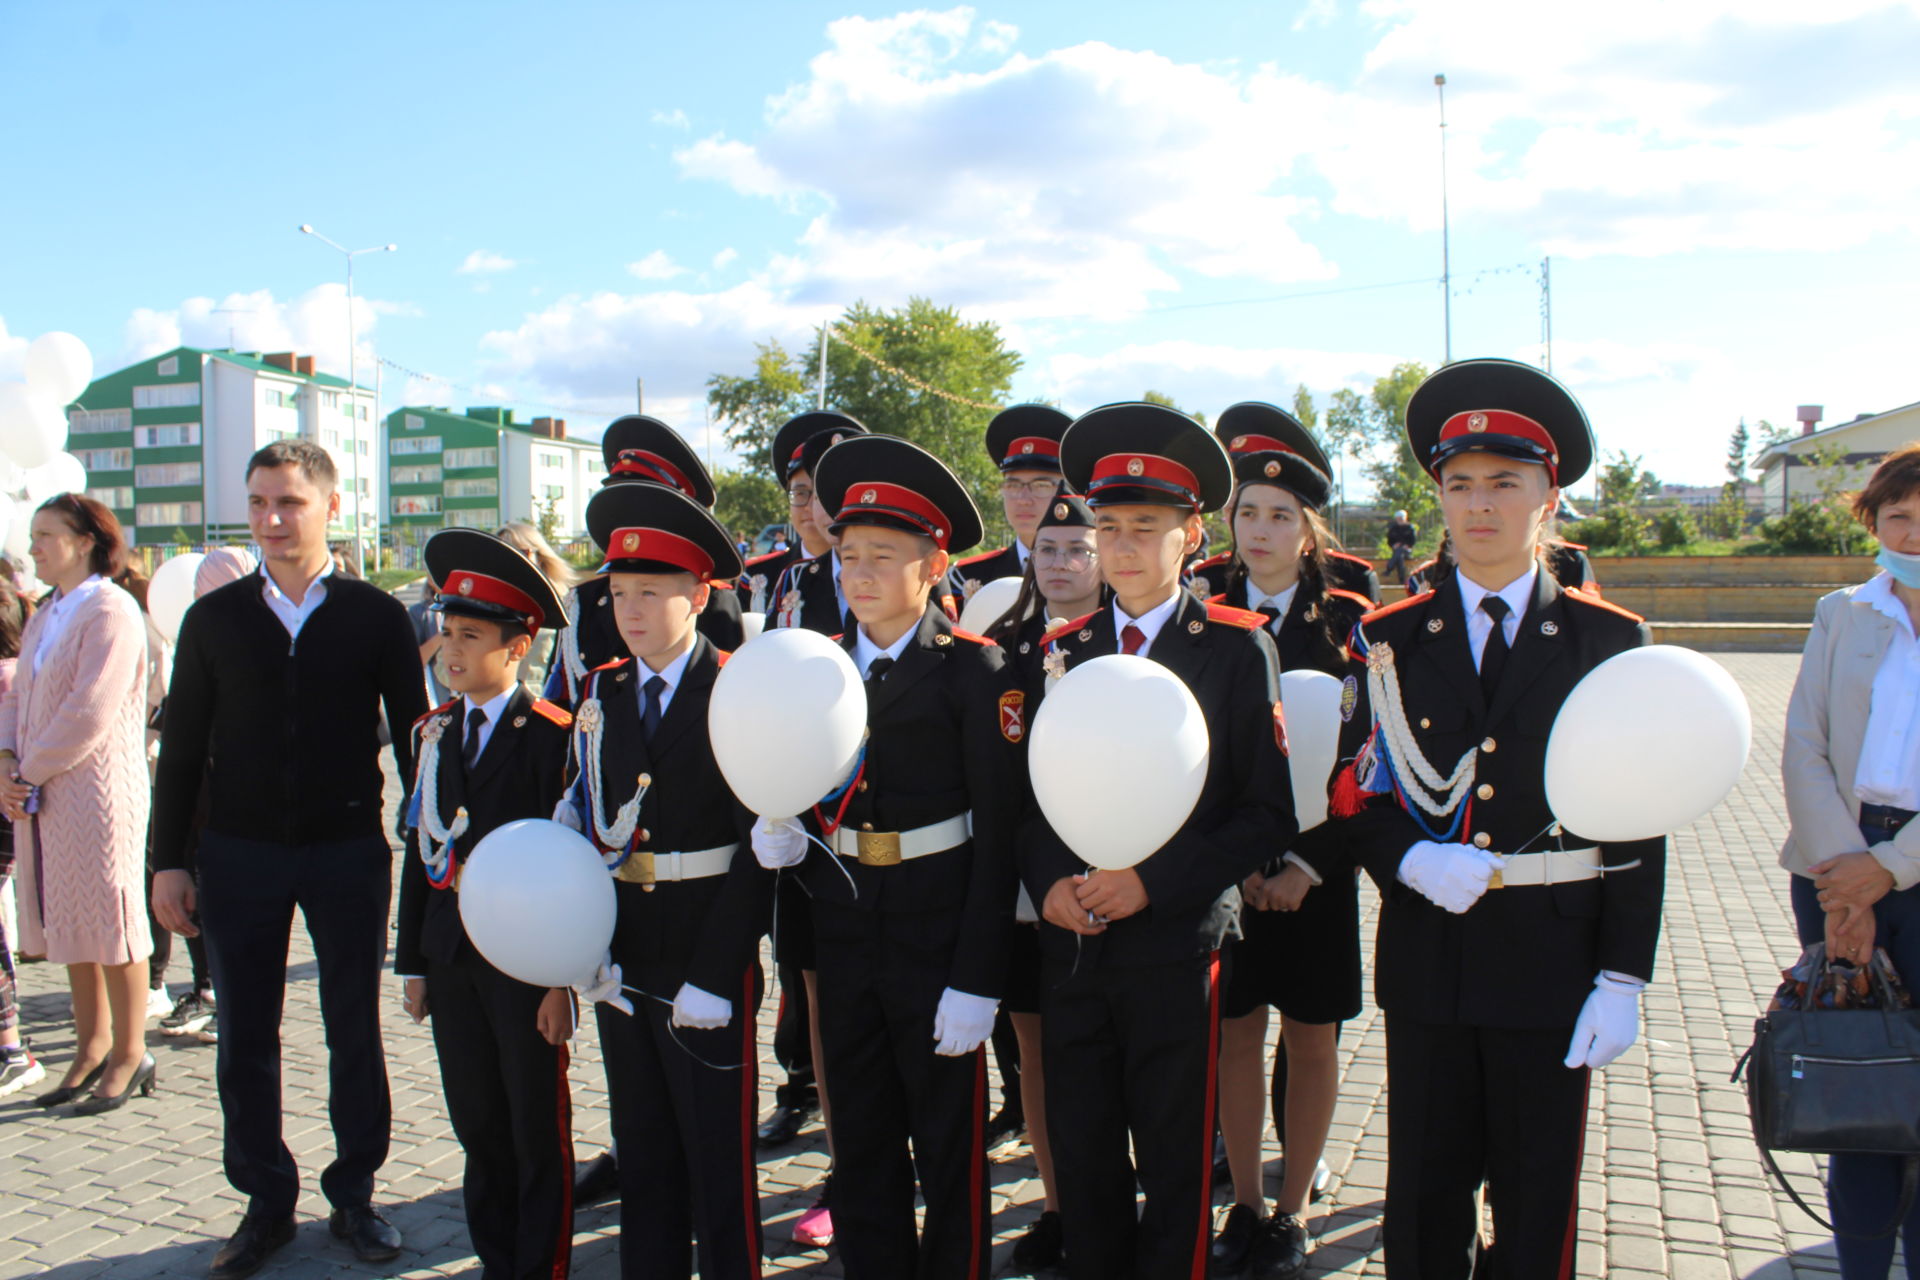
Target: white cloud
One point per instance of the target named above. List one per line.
(13, 354)
(1202, 376)
(314, 323)
(725, 258)
(485, 262)
(674, 119)
(655, 266)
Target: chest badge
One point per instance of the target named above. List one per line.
(1196, 627)
(519, 722)
(1434, 625)
(1549, 628)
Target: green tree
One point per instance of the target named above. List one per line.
(751, 407)
(546, 518)
(1398, 478)
(747, 500)
(1161, 397)
(1625, 481)
(1727, 518)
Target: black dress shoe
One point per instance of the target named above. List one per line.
(142, 1079)
(1041, 1247)
(784, 1125)
(596, 1180)
(68, 1092)
(1280, 1251)
(373, 1238)
(1222, 1171)
(259, 1235)
(1234, 1244)
(1005, 1126)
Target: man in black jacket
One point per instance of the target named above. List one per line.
(278, 682)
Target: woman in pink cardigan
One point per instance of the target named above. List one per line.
(73, 777)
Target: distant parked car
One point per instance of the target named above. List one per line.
(770, 537)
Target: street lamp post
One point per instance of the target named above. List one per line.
(353, 387)
(1446, 260)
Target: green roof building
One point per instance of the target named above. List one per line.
(481, 469)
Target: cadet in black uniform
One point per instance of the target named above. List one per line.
(681, 1078)
(1130, 1002)
(1254, 426)
(1299, 949)
(914, 906)
(808, 594)
(1511, 952)
(1024, 442)
(491, 756)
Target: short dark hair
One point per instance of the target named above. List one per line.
(315, 463)
(1896, 479)
(91, 519)
(13, 620)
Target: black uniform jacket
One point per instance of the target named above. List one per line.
(810, 582)
(706, 930)
(520, 774)
(946, 732)
(987, 567)
(1245, 811)
(1345, 572)
(1524, 956)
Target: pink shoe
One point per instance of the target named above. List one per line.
(814, 1228)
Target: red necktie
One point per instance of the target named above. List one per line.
(1131, 638)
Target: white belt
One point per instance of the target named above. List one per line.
(1554, 866)
(644, 868)
(890, 848)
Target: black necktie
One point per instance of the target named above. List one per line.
(650, 714)
(470, 750)
(1271, 612)
(878, 668)
(1493, 658)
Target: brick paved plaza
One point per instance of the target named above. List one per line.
(1672, 1186)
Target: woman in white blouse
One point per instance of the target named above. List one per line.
(1852, 769)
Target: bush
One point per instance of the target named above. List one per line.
(1815, 529)
(1675, 530)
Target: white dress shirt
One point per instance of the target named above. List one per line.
(1021, 550)
(492, 709)
(1283, 602)
(59, 614)
(1518, 594)
(1889, 771)
(671, 673)
(294, 616)
(865, 650)
(1149, 622)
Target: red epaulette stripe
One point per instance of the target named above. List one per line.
(445, 706)
(720, 657)
(1065, 627)
(762, 559)
(970, 635)
(1587, 597)
(1346, 555)
(1209, 562)
(1577, 546)
(1220, 599)
(608, 666)
(1226, 613)
(976, 559)
(1365, 604)
(553, 711)
(1395, 607)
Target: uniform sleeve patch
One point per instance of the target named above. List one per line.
(1013, 715)
(1280, 729)
(1349, 698)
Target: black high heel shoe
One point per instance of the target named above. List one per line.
(143, 1077)
(68, 1092)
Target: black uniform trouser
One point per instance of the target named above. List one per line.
(898, 1106)
(248, 892)
(1473, 1104)
(1132, 1052)
(793, 1024)
(506, 1091)
(683, 1104)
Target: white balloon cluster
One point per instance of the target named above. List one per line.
(33, 434)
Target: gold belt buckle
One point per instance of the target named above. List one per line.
(1495, 882)
(879, 848)
(637, 869)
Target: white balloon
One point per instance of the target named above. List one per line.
(63, 473)
(752, 624)
(787, 716)
(1118, 755)
(170, 594)
(33, 427)
(20, 538)
(59, 367)
(1648, 741)
(1311, 701)
(538, 903)
(9, 512)
(988, 604)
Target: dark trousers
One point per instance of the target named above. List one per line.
(1006, 1056)
(793, 1041)
(1132, 1052)
(1467, 1105)
(683, 1104)
(899, 1107)
(506, 1091)
(248, 892)
(1864, 1190)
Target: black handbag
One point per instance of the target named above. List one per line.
(1839, 1081)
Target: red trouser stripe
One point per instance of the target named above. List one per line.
(749, 1097)
(563, 1115)
(1201, 1241)
(1579, 1158)
(976, 1195)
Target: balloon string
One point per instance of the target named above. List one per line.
(834, 858)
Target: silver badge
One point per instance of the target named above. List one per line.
(1549, 628)
(1434, 625)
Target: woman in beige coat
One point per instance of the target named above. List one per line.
(73, 777)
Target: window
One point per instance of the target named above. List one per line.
(360, 487)
(473, 488)
(154, 475)
(152, 513)
(419, 444)
(120, 498)
(416, 504)
(105, 459)
(330, 438)
(457, 458)
(169, 368)
(271, 397)
(166, 395)
(83, 422)
(416, 475)
(178, 433)
(361, 447)
(364, 409)
(548, 461)
(553, 492)
(414, 422)
(330, 399)
(481, 518)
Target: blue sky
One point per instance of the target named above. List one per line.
(589, 193)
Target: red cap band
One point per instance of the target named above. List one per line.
(1031, 447)
(1258, 444)
(1502, 422)
(651, 466)
(882, 499)
(1145, 471)
(465, 585)
(658, 544)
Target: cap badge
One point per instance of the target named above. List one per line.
(1027, 447)
(630, 543)
(939, 533)
(1136, 467)
(1434, 625)
(837, 438)
(1059, 511)
(867, 496)
(1239, 442)
(466, 586)
(1273, 468)
(1476, 422)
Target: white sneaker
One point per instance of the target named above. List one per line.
(18, 1073)
(159, 1003)
(1321, 1177)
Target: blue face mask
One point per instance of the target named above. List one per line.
(1904, 568)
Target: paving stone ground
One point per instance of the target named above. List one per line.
(1671, 1183)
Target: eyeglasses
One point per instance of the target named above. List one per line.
(1028, 488)
(1075, 558)
(799, 497)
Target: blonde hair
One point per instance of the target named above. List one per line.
(527, 540)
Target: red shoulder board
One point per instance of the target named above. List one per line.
(1589, 598)
(608, 666)
(1359, 560)
(1209, 562)
(968, 635)
(976, 559)
(1352, 597)
(1577, 546)
(725, 584)
(1220, 599)
(445, 706)
(720, 657)
(1064, 628)
(762, 559)
(1245, 618)
(554, 712)
(1395, 607)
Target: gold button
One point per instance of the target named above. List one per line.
(1481, 840)
(860, 785)
(1425, 723)
(1554, 830)
(866, 826)
(1488, 746)
(1485, 791)
(644, 836)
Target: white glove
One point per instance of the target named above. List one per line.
(1609, 1022)
(779, 842)
(604, 986)
(693, 1007)
(566, 815)
(1451, 876)
(962, 1023)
